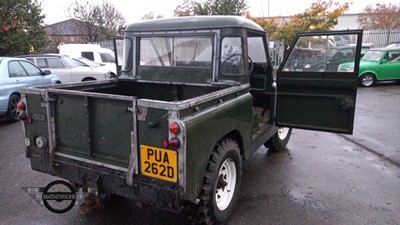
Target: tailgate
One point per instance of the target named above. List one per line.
(94, 126)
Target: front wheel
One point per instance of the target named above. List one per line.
(280, 139)
(220, 185)
(367, 80)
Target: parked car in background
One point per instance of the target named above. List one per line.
(16, 73)
(93, 52)
(66, 68)
(376, 65)
(393, 45)
(342, 39)
(330, 60)
(82, 61)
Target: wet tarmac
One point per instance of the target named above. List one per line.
(322, 178)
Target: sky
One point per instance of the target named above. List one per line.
(133, 10)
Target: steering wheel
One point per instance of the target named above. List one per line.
(229, 58)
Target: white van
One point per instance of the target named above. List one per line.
(91, 51)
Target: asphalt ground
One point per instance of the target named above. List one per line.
(322, 178)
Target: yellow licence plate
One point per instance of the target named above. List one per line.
(159, 163)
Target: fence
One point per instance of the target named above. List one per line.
(381, 38)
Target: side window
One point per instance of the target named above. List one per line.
(107, 58)
(16, 70)
(394, 56)
(31, 69)
(88, 55)
(232, 56)
(54, 63)
(256, 47)
(41, 62)
(30, 60)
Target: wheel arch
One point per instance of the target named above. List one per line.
(88, 79)
(368, 72)
(236, 136)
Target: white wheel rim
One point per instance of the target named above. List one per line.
(224, 195)
(283, 132)
(367, 80)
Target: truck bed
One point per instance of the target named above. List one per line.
(169, 92)
(105, 121)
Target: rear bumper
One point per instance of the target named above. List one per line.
(154, 192)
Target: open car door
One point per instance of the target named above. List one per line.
(118, 52)
(316, 88)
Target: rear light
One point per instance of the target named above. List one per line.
(174, 128)
(22, 114)
(174, 143)
(165, 143)
(21, 106)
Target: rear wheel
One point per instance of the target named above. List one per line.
(367, 80)
(280, 139)
(12, 112)
(221, 184)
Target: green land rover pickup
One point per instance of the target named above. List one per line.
(196, 96)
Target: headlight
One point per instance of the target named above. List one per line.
(308, 66)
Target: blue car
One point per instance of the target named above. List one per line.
(16, 73)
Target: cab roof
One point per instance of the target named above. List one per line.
(194, 23)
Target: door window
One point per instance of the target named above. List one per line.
(319, 54)
(232, 56)
(16, 70)
(54, 63)
(31, 69)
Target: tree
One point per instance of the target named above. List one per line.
(382, 17)
(151, 16)
(321, 16)
(211, 7)
(21, 30)
(96, 22)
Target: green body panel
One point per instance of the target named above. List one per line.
(94, 128)
(204, 130)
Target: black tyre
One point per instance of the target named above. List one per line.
(367, 80)
(280, 139)
(12, 112)
(221, 184)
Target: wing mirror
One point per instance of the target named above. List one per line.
(46, 72)
(384, 61)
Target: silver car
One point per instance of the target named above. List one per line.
(16, 73)
(66, 68)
